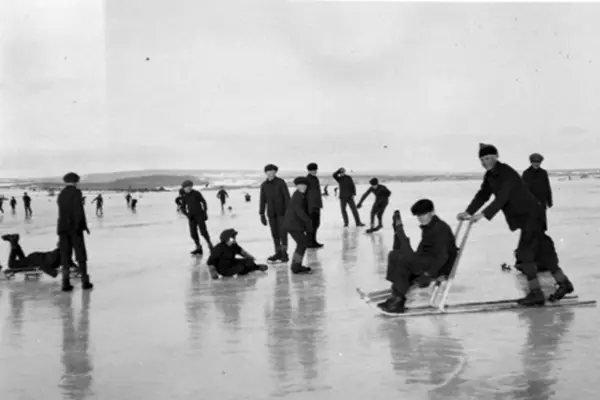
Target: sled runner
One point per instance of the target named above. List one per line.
(372, 230)
(34, 273)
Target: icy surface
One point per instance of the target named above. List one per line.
(157, 327)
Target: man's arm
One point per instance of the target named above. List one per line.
(501, 198)
(549, 187)
(262, 202)
(364, 196)
(336, 176)
(481, 197)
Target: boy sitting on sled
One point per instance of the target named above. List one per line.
(433, 258)
(47, 261)
(223, 258)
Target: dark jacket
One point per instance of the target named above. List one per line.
(222, 194)
(538, 182)
(222, 257)
(347, 186)
(275, 197)
(26, 200)
(511, 195)
(437, 247)
(296, 218)
(71, 214)
(382, 194)
(194, 205)
(314, 199)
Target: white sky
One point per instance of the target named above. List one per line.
(238, 85)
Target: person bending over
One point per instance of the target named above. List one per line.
(382, 199)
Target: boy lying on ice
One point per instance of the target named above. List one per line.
(223, 258)
(47, 261)
(433, 258)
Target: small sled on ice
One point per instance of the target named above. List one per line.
(34, 273)
(438, 295)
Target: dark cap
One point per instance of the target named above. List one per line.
(71, 177)
(301, 181)
(228, 234)
(312, 167)
(271, 167)
(536, 158)
(487, 149)
(422, 207)
(374, 181)
(187, 183)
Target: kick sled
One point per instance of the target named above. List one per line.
(438, 295)
(34, 273)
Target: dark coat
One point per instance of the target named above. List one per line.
(437, 249)
(538, 182)
(194, 205)
(275, 197)
(347, 186)
(222, 257)
(26, 200)
(382, 194)
(71, 214)
(511, 195)
(314, 199)
(296, 217)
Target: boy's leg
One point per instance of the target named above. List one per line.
(354, 211)
(193, 226)
(205, 235)
(274, 227)
(81, 257)
(301, 240)
(66, 251)
(343, 204)
(527, 249)
(284, 239)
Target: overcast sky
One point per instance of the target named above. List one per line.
(230, 85)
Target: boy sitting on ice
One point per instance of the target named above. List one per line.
(223, 260)
(47, 261)
(434, 257)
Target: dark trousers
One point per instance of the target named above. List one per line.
(198, 223)
(16, 258)
(28, 211)
(239, 266)
(302, 240)
(545, 219)
(315, 217)
(349, 201)
(67, 244)
(278, 233)
(535, 246)
(377, 211)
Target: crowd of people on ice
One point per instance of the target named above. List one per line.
(523, 199)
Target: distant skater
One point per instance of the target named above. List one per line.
(326, 191)
(134, 205)
(347, 193)
(537, 180)
(13, 204)
(99, 200)
(128, 199)
(222, 195)
(335, 192)
(299, 225)
(382, 199)
(70, 228)
(314, 202)
(2, 198)
(27, 205)
(247, 197)
(274, 201)
(195, 208)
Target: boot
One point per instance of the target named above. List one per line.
(198, 251)
(563, 289)
(396, 304)
(360, 224)
(535, 297)
(262, 267)
(298, 268)
(66, 286)
(284, 257)
(85, 277)
(275, 257)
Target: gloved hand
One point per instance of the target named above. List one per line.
(424, 281)
(550, 205)
(359, 206)
(463, 216)
(263, 219)
(87, 230)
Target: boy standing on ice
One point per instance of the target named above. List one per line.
(434, 257)
(70, 228)
(222, 195)
(314, 201)
(537, 180)
(195, 208)
(382, 199)
(224, 261)
(347, 192)
(522, 211)
(299, 225)
(274, 199)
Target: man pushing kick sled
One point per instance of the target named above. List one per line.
(435, 261)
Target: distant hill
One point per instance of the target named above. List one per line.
(147, 182)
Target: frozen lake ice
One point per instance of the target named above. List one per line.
(157, 327)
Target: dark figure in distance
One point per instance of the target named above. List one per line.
(522, 211)
(2, 204)
(434, 257)
(195, 208)
(128, 199)
(47, 261)
(70, 228)
(335, 191)
(326, 191)
(13, 204)
(299, 225)
(27, 205)
(382, 199)
(99, 200)
(134, 205)
(274, 200)
(347, 193)
(247, 197)
(223, 257)
(222, 195)
(537, 180)
(314, 203)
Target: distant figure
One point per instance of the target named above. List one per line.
(335, 191)
(222, 195)
(99, 205)
(248, 198)
(326, 191)
(27, 205)
(347, 193)
(134, 205)
(382, 199)
(537, 180)
(13, 204)
(128, 199)
(230, 209)
(179, 200)
(2, 204)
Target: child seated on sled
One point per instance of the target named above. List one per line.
(223, 258)
(433, 258)
(47, 261)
